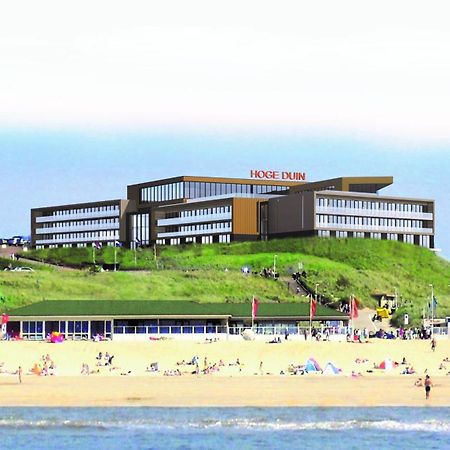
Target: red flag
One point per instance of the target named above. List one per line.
(255, 304)
(5, 319)
(353, 308)
(312, 307)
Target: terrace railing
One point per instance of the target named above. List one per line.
(171, 329)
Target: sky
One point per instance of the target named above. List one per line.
(98, 95)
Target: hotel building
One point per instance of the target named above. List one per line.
(205, 210)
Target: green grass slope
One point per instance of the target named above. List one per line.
(341, 266)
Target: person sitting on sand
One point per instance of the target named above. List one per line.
(404, 361)
(418, 382)
(99, 359)
(36, 370)
(409, 371)
(153, 367)
(84, 369)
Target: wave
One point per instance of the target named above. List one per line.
(433, 426)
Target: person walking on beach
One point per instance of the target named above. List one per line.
(19, 374)
(433, 344)
(427, 383)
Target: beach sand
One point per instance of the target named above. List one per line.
(233, 385)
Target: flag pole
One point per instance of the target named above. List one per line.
(253, 314)
(351, 314)
(432, 311)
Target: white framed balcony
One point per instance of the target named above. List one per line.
(80, 216)
(176, 234)
(62, 229)
(373, 228)
(382, 213)
(194, 219)
(61, 240)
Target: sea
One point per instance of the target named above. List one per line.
(225, 428)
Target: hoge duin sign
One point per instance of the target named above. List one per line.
(277, 175)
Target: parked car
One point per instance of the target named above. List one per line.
(15, 240)
(22, 269)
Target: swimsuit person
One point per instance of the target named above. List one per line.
(433, 344)
(428, 383)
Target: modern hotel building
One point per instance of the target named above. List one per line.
(206, 210)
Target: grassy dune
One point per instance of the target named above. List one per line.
(342, 267)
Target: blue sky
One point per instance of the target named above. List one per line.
(98, 95)
(57, 167)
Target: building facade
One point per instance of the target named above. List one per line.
(140, 320)
(206, 210)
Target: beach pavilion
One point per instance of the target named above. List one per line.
(143, 320)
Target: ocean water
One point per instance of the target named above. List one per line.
(225, 428)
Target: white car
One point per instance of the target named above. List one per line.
(22, 269)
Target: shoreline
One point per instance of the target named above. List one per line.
(239, 391)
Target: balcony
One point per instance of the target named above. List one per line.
(194, 219)
(77, 240)
(373, 228)
(373, 213)
(80, 216)
(98, 227)
(176, 234)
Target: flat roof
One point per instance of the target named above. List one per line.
(216, 180)
(352, 184)
(80, 205)
(373, 196)
(174, 308)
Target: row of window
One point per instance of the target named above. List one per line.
(93, 209)
(197, 189)
(205, 226)
(331, 220)
(81, 223)
(370, 205)
(423, 241)
(200, 212)
(140, 228)
(78, 245)
(100, 235)
(222, 238)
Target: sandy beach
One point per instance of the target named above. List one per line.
(127, 382)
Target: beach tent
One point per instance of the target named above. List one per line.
(312, 366)
(331, 369)
(387, 364)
